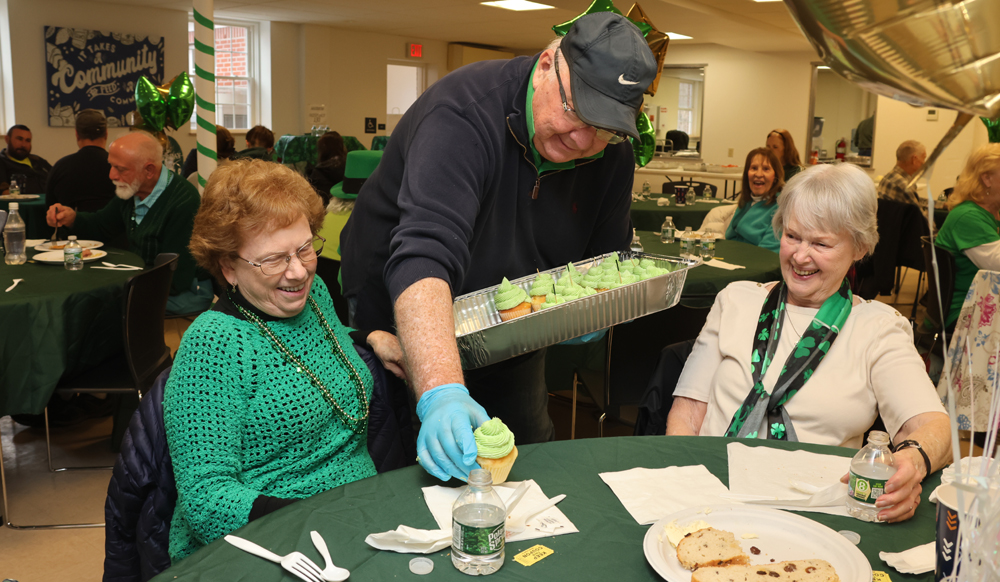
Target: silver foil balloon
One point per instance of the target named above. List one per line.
(942, 53)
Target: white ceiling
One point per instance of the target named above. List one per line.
(741, 24)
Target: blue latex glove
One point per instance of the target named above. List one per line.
(446, 447)
(585, 339)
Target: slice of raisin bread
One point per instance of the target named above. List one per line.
(792, 571)
(710, 547)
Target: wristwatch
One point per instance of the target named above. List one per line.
(912, 444)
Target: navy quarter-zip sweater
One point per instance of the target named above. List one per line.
(454, 197)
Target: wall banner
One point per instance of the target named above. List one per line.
(90, 69)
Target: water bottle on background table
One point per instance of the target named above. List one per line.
(688, 243)
(870, 469)
(13, 237)
(636, 245)
(73, 255)
(15, 188)
(478, 531)
(645, 189)
(667, 231)
(708, 246)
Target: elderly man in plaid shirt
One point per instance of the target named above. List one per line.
(910, 157)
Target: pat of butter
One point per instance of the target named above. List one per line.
(749, 536)
(675, 533)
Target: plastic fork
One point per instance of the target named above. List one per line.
(297, 563)
(518, 525)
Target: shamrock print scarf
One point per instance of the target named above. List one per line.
(810, 350)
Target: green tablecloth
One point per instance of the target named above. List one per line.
(704, 283)
(608, 547)
(56, 322)
(33, 213)
(646, 215)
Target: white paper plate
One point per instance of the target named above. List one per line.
(59, 244)
(16, 197)
(56, 257)
(781, 536)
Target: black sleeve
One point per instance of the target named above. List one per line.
(265, 504)
(360, 337)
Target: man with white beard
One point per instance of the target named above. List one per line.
(154, 208)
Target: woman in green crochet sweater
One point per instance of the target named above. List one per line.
(267, 401)
(763, 179)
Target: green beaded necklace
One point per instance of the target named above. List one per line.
(357, 425)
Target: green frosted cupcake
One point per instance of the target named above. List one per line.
(552, 300)
(540, 287)
(511, 301)
(495, 449)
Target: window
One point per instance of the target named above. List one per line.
(236, 95)
(685, 107)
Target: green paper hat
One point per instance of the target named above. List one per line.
(360, 165)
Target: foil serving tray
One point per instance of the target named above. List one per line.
(484, 339)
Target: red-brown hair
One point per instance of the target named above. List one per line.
(779, 175)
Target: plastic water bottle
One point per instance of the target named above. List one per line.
(636, 245)
(477, 527)
(870, 469)
(73, 255)
(667, 231)
(688, 244)
(645, 189)
(708, 246)
(13, 237)
(15, 188)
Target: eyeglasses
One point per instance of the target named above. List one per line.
(277, 264)
(612, 137)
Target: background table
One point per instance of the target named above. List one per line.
(646, 215)
(655, 175)
(608, 547)
(33, 213)
(56, 322)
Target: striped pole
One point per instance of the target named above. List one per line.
(204, 83)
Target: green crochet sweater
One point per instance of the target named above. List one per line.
(241, 422)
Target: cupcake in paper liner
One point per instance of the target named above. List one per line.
(511, 301)
(540, 287)
(496, 448)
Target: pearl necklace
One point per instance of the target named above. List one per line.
(357, 425)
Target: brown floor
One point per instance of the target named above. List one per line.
(78, 554)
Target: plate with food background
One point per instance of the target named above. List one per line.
(56, 257)
(58, 245)
(20, 197)
(766, 536)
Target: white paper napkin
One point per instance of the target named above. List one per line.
(663, 202)
(723, 265)
(796, 480)
(652, 494)
(551, 522)
(707, 201)
(410, 540)
(913, 561)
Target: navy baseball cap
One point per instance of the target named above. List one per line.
(611, 66)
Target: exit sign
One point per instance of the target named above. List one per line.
(415, 51)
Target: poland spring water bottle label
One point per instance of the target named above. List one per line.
(865, 489)
(478, 541)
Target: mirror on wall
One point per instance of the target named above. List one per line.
(676, 110)
(842, 119)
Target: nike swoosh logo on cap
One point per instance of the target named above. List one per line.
(622, 81)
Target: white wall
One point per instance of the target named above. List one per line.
(842, 104)
(28, 19)
(748, 94)
(896, 122)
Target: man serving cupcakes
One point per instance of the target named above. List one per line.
(498, 169)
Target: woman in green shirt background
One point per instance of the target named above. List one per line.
(971, 233)
(763, 178)
(780, 140)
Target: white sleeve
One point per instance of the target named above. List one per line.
(699, 370)
(985, 256)
(898, 376)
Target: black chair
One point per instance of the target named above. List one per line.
(131, 373)
(900, 226)
(659, 396)
(631, 355)
(679, 139)
(328, 269)
(159, 260)
(946, 271)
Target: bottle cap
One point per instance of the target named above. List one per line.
(13, 206)
(853, 537)
(421, 566)
(71, 237)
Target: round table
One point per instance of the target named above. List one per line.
(56, 322)
(608, 547)
(33, 214)
(703, 282)
(646, 215)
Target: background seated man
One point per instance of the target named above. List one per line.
(155, 208)
(17, 158)
(81, 180)
(910, 157)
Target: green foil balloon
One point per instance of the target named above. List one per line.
(180, 101)
(992, 128)
(596, 6)
(645, 146)
(150, 104)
